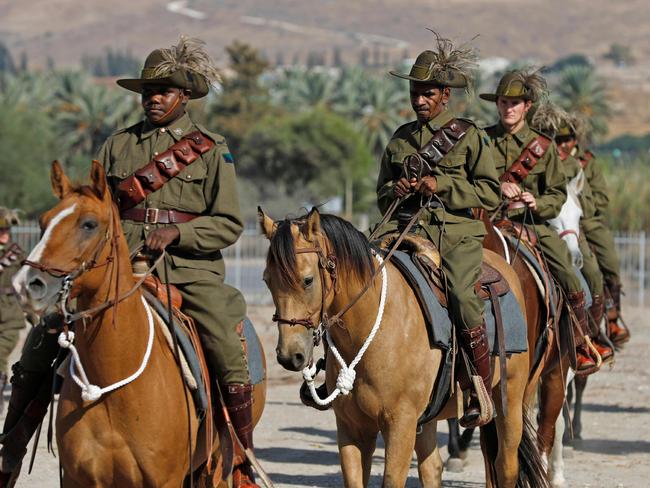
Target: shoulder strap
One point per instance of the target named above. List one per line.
(441, 143)
(527, 160)
(161, 169)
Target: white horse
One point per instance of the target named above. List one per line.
(567, 224)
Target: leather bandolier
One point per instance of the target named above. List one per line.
(527, 160)
(162, 168)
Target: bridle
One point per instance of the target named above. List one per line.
(569, 232)
(326, 264)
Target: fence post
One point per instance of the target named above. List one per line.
(642, 269)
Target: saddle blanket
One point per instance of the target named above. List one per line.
(514, 323)
(254, 352)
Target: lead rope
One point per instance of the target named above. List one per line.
(90, 392)
(347, 375)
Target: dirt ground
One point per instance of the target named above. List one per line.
(297, 445)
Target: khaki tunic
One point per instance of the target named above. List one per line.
(12, 318)
(465, 179)
(547, 182)
(207, 187)
(595, 229)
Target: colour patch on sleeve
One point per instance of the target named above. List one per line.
(227, 157)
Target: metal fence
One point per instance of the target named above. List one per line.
(245, 261)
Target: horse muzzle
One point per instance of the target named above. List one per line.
(36, 290)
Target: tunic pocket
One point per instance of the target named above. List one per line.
(185, 191)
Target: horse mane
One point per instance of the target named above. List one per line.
(349, 246)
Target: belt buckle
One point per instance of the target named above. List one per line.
(151, 215)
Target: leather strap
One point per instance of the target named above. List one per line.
(157, 216)
(441, 143)
(162, 168)
(500, 337)
(527, 160)
(586, 158)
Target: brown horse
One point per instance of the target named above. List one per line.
(138, 434)
(316, 265)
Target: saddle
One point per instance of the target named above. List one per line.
(427, 258)
(517, 229)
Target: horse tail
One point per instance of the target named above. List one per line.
(490, 448)
(532, 470)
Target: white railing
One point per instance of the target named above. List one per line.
(245, 261)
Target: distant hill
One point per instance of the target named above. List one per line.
(379, 30)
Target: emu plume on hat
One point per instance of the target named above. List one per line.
(552, 120)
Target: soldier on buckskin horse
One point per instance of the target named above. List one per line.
(595, 228)
(12, 318)
(556, 123)
(192, 214)
(533, 180)
(461, 176)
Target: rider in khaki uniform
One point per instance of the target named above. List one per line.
(598, 235)
(464, 178)
(543, 190)
(193, 216)
(12, 318)
(555, 122)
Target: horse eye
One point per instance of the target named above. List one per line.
(89, 225)
(307, 282)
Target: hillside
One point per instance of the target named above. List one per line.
(64, 30)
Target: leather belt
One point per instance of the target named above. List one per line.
(7, 290)
(157, 216)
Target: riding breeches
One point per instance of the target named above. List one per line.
(601, 241)
(590, 269)
(218, 310)
(558, 258)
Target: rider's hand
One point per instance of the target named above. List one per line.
(510, 190)
(159, 239)
(403, 187)
(427, 185)
(529, 200)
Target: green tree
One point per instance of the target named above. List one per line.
(620, 54)
(581, 90)
(313, 155)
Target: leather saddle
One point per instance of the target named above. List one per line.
(427, 258)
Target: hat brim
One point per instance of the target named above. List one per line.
(492, 97)
(449, 83)
(137, 85)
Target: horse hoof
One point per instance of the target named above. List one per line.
(454, 465)
(558, 482)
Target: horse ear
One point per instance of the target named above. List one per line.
(98, 178)
(266, 223)
(312, 225)
(60, 183)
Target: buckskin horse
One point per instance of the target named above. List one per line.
(316, 265)
(137, 434)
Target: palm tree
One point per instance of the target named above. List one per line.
(580, 90)
(304, 89)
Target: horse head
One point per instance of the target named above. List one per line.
(75, 238)
(567, 223)
(296, 276)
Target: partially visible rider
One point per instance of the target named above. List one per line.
(533, 180)
(556, 123)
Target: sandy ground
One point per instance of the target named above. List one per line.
(297, 445)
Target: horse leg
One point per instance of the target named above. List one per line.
(428, 454)
(509, 430)
(455, 463)
(580, 383)
(355, 449)
(399, 436)
(556, 464)
(551, 400)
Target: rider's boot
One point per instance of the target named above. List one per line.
(30, 396)
(618, 333)
(597, 310)
(475, 344)
(585, 362)
(239, 402)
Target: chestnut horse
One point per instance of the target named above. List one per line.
(140, 433)
(316, 265)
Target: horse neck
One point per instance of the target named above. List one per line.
(112, 342)
(358, 320)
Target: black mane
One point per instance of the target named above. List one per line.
(351, 248)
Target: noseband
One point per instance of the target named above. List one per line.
(326, 263)
(568, 232)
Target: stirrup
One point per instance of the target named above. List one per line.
(485, 404)
(595, 355)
